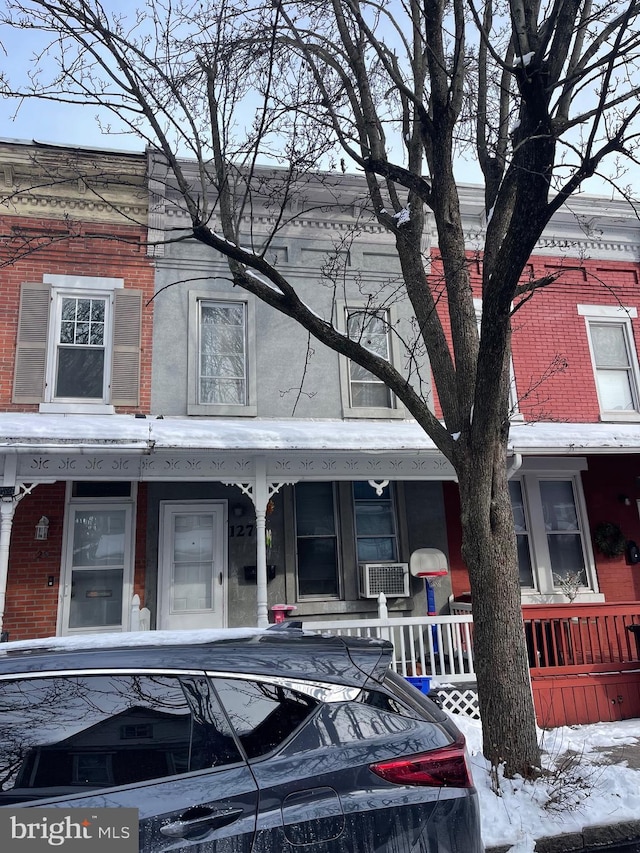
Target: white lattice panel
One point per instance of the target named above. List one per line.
(455, 701)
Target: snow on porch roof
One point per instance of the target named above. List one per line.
(32, 431)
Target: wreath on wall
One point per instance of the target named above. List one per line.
(609, 539)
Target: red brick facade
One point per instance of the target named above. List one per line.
(551, 359)
(555, 383)
(87, 249)
(74, 248)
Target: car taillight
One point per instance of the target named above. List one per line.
(441, 768)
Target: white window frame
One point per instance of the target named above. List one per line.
(78, 287)
(617, 315)
(198, 298)
(396, 409)
(545, 588)
(514, 409)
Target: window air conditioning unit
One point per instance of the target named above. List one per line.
(390, 578)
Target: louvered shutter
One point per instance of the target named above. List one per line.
(31, 349)
(127, 330)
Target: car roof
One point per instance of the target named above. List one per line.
(289, 652)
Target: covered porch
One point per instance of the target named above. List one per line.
(139, 472)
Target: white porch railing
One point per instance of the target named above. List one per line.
(440, 647)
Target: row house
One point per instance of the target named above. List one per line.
(250, 467)
(76, 315)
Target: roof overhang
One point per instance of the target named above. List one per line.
(38, 447)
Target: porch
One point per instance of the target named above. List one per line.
(584, 658)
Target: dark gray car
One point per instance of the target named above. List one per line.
(236, 742)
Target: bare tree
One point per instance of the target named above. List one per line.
(537, 94)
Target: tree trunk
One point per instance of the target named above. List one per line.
(500, 652)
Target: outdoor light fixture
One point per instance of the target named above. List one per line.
(42, 529)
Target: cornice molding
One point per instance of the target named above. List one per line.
(62, 181)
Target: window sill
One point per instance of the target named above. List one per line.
(379, 414)
(222, 411)
(619, 417)
(324, 609)
(76, 409)
(559, 598)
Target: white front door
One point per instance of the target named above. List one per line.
(192, 565)
(97, 568)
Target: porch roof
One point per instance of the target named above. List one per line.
(33, 432)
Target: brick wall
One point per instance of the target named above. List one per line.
(608, 479)
(31, 604)
(552, 363)
(91, 249)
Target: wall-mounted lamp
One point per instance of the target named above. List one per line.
(238, 510)
(42, 529)
(624, 500)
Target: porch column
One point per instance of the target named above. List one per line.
(260, 492)
(260, 501)
(7, 511)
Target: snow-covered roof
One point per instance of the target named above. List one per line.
(50, 432)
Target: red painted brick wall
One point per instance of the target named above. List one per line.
(552, 363)
(32, 605)
(92, 249)
(607, 479)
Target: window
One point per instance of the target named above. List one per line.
(263, 715)
(223, 354)
(82, 325)
(514, 409)
(316, 540)
(78, 347)
(564, 539)
(372, 332)
(376, 538)
(65, 733)
(222, 366)
(614, 358)
(522, 534)
(552, 547)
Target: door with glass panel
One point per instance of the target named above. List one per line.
(98, 568)
(192, 566)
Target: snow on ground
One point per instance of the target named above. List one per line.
(582, 788)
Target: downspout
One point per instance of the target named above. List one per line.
(516, 464)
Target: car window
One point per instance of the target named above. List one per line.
(64, 734)
(263, 715)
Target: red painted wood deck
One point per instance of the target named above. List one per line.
(584, 662)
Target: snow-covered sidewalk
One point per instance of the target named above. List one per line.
(591, 781)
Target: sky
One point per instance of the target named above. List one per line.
(77, 125)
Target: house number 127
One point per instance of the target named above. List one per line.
(241, 529)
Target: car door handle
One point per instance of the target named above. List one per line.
(192, 826)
